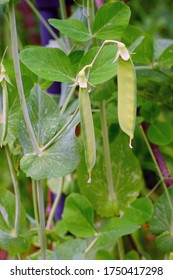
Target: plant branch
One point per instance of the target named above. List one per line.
(14, 46)
(107, 151)
(91, 245)
(42, 219)
(34, 195)
(16, 190)
(42, 20)
(55, 203)
(67, 100)
(61, 131)
(158, 168)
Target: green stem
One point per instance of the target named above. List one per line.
(141, 68)
(90, 14)
(55, 203)
(120, 249)
(42, 219)
(107, 151)
(69, 96)
(16, 190)
(42, 20)
(158, 169)
(63, 10)
(34, 195)
(5, 109)
(91, 245)
(14, 46)
(61, 131)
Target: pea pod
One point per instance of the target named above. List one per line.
(87, 130)
(127, 97)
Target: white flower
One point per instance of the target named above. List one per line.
(122, 51)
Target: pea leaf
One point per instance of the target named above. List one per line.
(104, 68)
(61, 157)
(160, 133)
(4, 1)
(139, 211)
(165, 242)
(111, 20)
(73, 28)
(59, 160)
(78, 216)
(48, 63)
(150, 111)
(8, 240)
(162, 217)
(127, 180)
(160, 45)
(166, 58)
(72, 250)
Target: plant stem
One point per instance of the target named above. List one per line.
(42, 20)
(42, 219)
(5, 109)
(16, 190)
(90, 14)
(157, 167)
(34, 195)
(67, 100)
(61, 131)
(55, 203)
(63, 10)
(107, 151)
(121, 249)
(141, 68)
(91, 245)
(14, 46)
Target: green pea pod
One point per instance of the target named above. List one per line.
(87, 130)
(127, 97)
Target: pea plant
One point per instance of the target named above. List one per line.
(105, 143)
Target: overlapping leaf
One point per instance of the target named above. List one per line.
(49, 63)
(111, 20)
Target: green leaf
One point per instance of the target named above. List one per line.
(127, 180)
(162, 218)
(116, 228)
(160, 45)
(160, 133)
(59, 160)
(72, 250)
(78, 216)
(165, 242)
(4, 1)
(62, 157)
(49, 63)
(133, 37)
(150, 111)
(14, 244)
(111, 20)
(104, 68)
(44, 116)
(166, 58)
(139, 211)
(8, 241)
(73, 28)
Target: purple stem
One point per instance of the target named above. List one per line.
(159, 158)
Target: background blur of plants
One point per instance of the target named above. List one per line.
(153, 19)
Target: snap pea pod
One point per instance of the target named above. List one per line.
(127, 97)
(87, 126)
